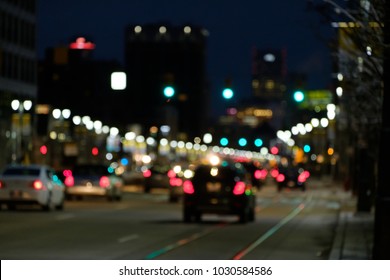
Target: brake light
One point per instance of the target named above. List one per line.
(175, 182)
(303, 176)
(171, 174)
(188, 187)
(37, 185)
(2, 185)
(104, 182)
(260, 174)
(147, 173)
(239, 188)
(280, 178)
(274, 173)
(69, 181)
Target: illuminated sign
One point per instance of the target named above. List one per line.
(82, 44)
(316, 98)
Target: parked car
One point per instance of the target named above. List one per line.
(291, 177)
(219, 189)
(96, 180)
(31, 185)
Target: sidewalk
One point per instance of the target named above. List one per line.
(354, 233)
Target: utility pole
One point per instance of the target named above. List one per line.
(381, 248)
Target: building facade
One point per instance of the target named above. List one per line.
(18, 78)
(158, 56)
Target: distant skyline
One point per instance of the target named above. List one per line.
(234, 29)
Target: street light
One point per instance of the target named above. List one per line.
(20, 126)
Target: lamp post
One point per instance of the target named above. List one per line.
(20, 127)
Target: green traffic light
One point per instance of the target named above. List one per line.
(227, 93)
(299, 96)
(169, 91)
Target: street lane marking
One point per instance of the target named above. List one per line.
(128, 238)
(270, 232)
(182, 242)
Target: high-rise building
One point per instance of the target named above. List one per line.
(18, 77)
(70, 78)
(161, 58)
(269, 73)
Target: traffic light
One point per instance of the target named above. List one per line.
(258, 142)
(169, 91)
(227, 92)
(224, 141)
(298, 96)
(168, 85)
(242, 142)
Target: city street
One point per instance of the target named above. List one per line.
(291, 225)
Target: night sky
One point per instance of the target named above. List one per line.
(234, 27)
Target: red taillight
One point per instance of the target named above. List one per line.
(239, 188)
(188, 187)
(280, 178)
(69, 181)
(37, 185)
(261, 174)
(104, 182)
(147, 173)
(303, 176)
(2, 185)
(175, 182)
(171, 174)
(67, 172)
(274, 173)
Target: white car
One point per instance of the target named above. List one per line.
(31, 184)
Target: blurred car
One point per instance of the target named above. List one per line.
(96, 180)
(291, 177)
(132, 177)
(31, 184)
(258, 173)
(177, 175)
(219, 189)
(156, 176)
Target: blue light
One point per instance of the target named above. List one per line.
(224, 141)
(258, 142)
(227, 93)
(306, 148)
(242, 142)
(299, 96)
(124, 161)
(169, 91)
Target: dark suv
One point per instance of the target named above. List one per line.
(222, 189)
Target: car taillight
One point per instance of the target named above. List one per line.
(69, 181)
(37, 185)
(147, 173)
(171, 174)
(303, 176)
(260, 174)
(274, 173)
(104, 182)
(239, 188)
(280, 178)
(175, 182)
(188, 187)
(2, 185)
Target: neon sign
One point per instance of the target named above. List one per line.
(82, 44)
